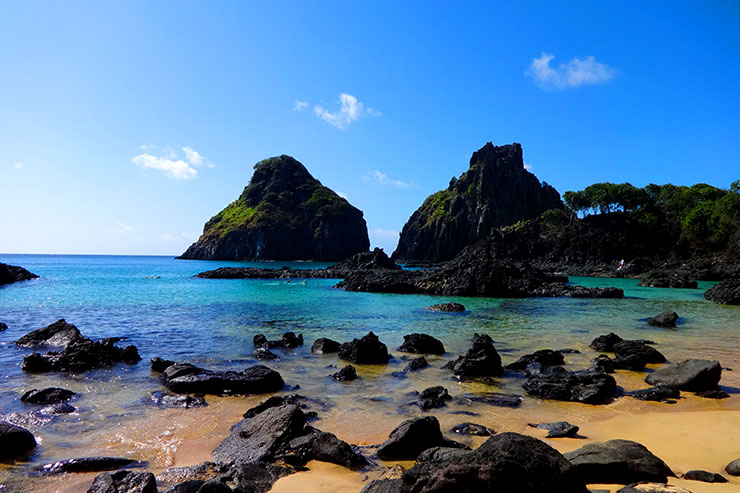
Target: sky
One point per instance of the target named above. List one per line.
(125, 126)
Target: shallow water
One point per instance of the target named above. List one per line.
(211, 324)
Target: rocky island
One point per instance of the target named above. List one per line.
(283, 214)
(11, 273)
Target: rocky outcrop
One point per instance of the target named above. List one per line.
(51, 395)
(324, 345)
(664, 319)
(89, 464)
(367, 350)
(433, 398)
(289, 340)
(283, 214)
(589, 387)
(346, 374)
(82, 356)
(124, 481)
(421, 344)
(58, 334)
(412, 437)
(691, 374)
(481, 360)
(15, 441)
(657, 394)
(496, 191)
(11, 273)
(725, 293)
(617, 462)
(472, 429)
(184, 378)
(704, 476)
(545, 357)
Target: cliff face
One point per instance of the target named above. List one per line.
(283, 214)
(496, 191)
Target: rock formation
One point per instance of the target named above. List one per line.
(11, 273)
(496, 191)
(283, 214)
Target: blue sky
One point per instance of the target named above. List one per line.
(124, 126)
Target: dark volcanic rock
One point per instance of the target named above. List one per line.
(433, 398)
(447, 307)
(606, 342)
(367, 350)
(704, 476)
(346, 374)
(288, 340)
(604, 363)
(89, 464)
(11, 273)
(733, 468)
(589, 387)
(421, 344)
(416, 364)
(668, 282)
(545, 357)
(634, 355)
(58, 408)
(713, 394)
(491, 398)
(15, 441)
(473, 429)
(262, 353)
(373, 260)
(559, 429)
(159, 365)
(655, 394)
(507, 462)
(691, 374)
(163, 399)
(412, 437)
(725, 293)
(617, 462)
(649, 487)
(665, 319)
(283, 214)
(58, 334)
(82, 356)
(124, 482)
(324, 346)
(482, 359)
(256, 379)
(51, 395)
(3, 327)
(496, 191)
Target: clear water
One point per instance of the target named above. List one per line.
(157, 304)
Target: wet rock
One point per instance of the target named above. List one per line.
(665, 319)
(473, 429)
(492, 398)
(365, 351)
(412, 437)
(606, 342)
(89, 464)
(323, 345)
(262, 353)
(3, 327)
(634, 355)
(58, 334)
(658, 394)
(326, 447)
(725, 293)
(421, 344)
(589, 387)
(279, 400)
(433, 398)
(15, 441)
(713, 394)
(447, 307)
(545, 357)
(559, 429)
(604, 363)
(691, 374)
(289, 340)
(124, 481)
(617, 462)
(12, 273)
(648, 487)
(189, 486)
(674, 281)
(187, 379)
(201, 472)
(733, 468)
(507, 462)
(82, 356)
(346, 374)
(58, 408)
(163, 399)
(416, 364)
(257, 477)
(704, 476)
(159, 365)
(49, 395)
(480, 360)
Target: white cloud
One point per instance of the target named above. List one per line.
(577, 72)
(300, 105)
(18, 165)
(167, 236)
(122, 228)
(192, 156)
(178, 169)
(147, 147)
(528, 167)
(349, 111)
(342, 194)
(384, 233)
(379, 178)
(191, 236)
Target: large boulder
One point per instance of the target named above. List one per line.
(288, 340)
(58, 334)
(12, 273)
(51, 395)
(588, 387)
(496, 191)
(545, 357)
(323, 345)
(664, 319)
(482, 359)
(617, 462)
(82, 356)
(691, 374)
(283, 214)
(725, 293)
(124, 481)
(634, 355)
(89, 464)
(421, 344)
(184, 378)
(15, 441)
(412, 437)
(368, 350)
(605, 342)
(507, 462)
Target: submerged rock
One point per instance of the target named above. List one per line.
(559, 429)
(421, 344)
(545, 357)
(288, 340)
(655, 394)
(184, 378)
(324, 346)
(12, 273)
(368, 350)
(82, 356)
(482, 359)
(416, 364)
(433, 398)
(163, 399)
(346, 374)
(124, 481)
(159, 365)
(473, 429)
(704, 476)
(665, 319)
(606, 342)
(447, 307)
(491, 398)
(89, 464)
(51, 395)
(262, 353)
(617, 462)
(412, 437)
(589, 387)
(634, 355)
(3, 327)
(58, 334)
(691, 374)
(15, 441)
(725, 293)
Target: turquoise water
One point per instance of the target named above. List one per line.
(157, 304)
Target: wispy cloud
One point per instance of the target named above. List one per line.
(168, 161)
(379, 178)
(18, 165)
(300, 105)
(350, 110)
(577, 72)
(390, 234)
(528, 167)
(121, 227)
(167, 236)
(342, 194)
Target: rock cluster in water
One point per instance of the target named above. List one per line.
(12, 273)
